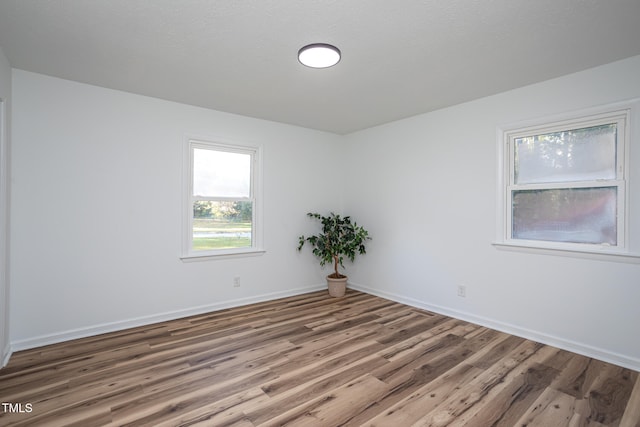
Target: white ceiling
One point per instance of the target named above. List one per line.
(400, 58)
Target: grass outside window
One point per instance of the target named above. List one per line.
(209, 233)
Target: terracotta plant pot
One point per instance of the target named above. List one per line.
(337, 287)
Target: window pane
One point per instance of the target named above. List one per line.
(221, 225)
(578, 215)
(221, 173)
(585, 154)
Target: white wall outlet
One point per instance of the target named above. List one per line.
(236, 282)
(462, 291)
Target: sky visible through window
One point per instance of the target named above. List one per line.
(221, 173)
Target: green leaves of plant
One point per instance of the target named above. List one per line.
(339, 238)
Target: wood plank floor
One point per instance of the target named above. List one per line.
(317, 361)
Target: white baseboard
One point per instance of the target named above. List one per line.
(62, 336)
(586, 350)
(541, 337)
(6, 355)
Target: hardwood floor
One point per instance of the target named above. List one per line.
(318, 361)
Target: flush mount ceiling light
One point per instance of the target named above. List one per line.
(319, 55)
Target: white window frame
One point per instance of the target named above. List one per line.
(621, 114)
(256, 248)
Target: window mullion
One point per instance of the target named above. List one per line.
(221, 199)
(566, 185)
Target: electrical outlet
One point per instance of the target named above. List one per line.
(462, 291)
(236, 282)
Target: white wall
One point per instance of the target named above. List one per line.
(430, 205)
(96, 203)
(96, 215)
(5, 102)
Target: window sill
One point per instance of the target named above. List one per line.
(222, 255)
(602, 255)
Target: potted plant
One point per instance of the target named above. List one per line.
(339, 238)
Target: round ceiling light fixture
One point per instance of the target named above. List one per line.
(319, 55)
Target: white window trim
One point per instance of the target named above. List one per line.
(256, 248)
(621, 253)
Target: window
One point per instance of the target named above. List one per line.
(564, 184)
(221, 208)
